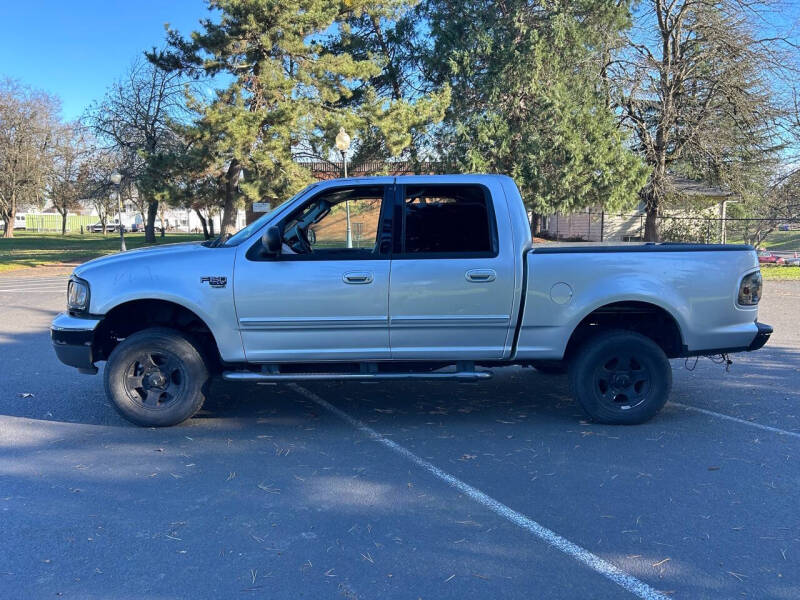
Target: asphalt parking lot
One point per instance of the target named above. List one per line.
(398, 490)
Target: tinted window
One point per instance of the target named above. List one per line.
(451, 219)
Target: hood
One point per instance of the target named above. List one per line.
(151, 254)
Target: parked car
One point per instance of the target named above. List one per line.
(445, 285)
(767, 257)
(20, 223)
(110, 228)
(792, 261)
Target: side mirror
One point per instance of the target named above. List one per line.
(271, 241)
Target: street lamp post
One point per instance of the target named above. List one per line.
(116, 178)
(343, 144)
(723, 219)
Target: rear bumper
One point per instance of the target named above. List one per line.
(764, 331)
(73, 338)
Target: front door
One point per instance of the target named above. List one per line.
(325, 297)
(452, 282)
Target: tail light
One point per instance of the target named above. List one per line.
(750, 289)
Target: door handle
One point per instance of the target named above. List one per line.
(357, 278)
(480, 275)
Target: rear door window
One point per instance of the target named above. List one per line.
(447, 220)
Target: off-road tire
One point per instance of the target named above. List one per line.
(156, 377)
(620, 377)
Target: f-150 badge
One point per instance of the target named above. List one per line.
(215, 282)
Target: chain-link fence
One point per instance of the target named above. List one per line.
(601, 226)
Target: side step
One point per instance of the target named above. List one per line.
(369, 372)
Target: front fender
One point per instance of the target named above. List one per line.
(183, 277)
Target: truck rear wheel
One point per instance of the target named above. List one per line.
(156, 378)
(620, 378)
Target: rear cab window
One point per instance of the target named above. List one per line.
(441, 221)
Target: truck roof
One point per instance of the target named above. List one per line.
(444, 178)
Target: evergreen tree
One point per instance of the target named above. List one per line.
(394, 35)
(528, 99)
(290, 91)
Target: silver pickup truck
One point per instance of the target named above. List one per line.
(424, 277)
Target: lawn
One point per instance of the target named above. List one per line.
(30, 249)
(782, 240)
(775, 273)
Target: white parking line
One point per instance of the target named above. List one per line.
(38, 285)
(39, 290)
(43, 288)
(33, 285)
(711, 413)
(20, 280)
(594, 562)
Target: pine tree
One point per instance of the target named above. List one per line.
(290, 92)
(529, 101)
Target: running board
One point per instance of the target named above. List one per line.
(278, 377)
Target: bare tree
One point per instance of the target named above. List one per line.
(698, 86)
(135, 119)
(68, 178)
(27, 119)
(96, 184)
(779, 204)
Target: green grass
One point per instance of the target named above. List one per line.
(777, 273)
(30, 249)
(782, 240)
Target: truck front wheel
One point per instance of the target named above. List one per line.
(620, 378)
(156, 377)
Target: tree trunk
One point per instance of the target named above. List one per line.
(228, 225)
(150, 224)
(651, 222)
(535, 220)
(64, 223)
(203, 222)
(211, 225)
(9, 217)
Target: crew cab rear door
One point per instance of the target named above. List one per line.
(452, 278)
(329, 303)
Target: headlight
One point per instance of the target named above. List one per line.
(77, 295)
(750, 289)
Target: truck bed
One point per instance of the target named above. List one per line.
(695, 284)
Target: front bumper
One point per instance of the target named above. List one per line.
(73, 338)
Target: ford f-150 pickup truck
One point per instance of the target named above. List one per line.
(404, 277)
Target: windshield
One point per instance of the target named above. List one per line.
(245, 233)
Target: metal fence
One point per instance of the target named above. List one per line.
(601, 226)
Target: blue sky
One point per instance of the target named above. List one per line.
(75, 49)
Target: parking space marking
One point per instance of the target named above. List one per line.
(711, 413)
(19, 284)
(40, 290)
(594, 562)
